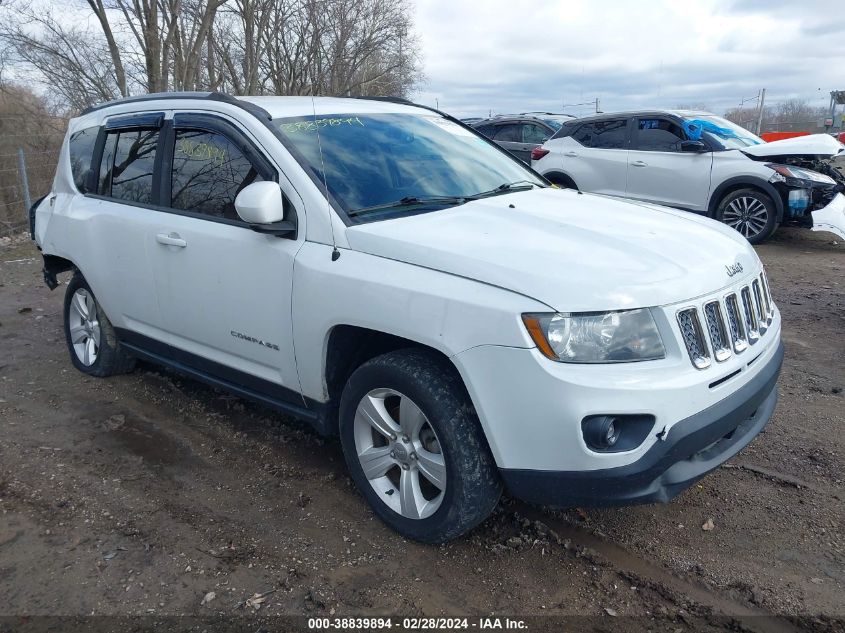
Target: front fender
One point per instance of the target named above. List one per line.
(445, 312)
(748, 181)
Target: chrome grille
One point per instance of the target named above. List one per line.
(694, 337)
(716, 328)
(720, 327)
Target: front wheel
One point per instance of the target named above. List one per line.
(750, 212)
(414, 446)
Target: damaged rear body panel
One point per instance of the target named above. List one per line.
(810, 176)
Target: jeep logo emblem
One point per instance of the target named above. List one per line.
(734, 269)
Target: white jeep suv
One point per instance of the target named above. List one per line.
(703, 163)
(392, 277)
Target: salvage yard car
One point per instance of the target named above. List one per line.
(387, 274)
(703, 163)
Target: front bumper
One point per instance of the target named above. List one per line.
(689, 450)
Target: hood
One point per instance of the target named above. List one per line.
(574, 252)
(810, 145)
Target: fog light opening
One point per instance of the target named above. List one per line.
(611, 433)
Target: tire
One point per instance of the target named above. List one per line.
(92, 342)
(749, 211)
(424, 393)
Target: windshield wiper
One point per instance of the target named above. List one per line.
(409, 201)
(518, 185)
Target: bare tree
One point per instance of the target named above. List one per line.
(333, 47)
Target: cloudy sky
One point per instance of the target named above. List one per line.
(519, 55)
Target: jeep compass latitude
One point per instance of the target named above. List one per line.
(389, 275)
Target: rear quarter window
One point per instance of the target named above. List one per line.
(81, 149)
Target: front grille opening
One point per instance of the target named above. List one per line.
(724, 379)
(735, 323)
(718, 332)
(749, 317)
(693, 337)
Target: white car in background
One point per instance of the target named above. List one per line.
(701, 162)
(393, 278)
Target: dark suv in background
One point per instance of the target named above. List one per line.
(521, 133)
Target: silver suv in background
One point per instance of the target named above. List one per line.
(701, 162)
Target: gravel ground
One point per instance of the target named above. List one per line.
(148, 494)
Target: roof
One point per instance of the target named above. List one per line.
(272, 106)
(648, 112)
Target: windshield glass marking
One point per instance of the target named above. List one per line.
(310, 126)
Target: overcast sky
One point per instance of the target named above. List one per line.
(518, 55)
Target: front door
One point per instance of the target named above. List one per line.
(224, 290)
(658, 171)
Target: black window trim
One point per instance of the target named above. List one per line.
(164, 160)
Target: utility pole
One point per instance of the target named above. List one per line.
(760, 111)
(598, 106)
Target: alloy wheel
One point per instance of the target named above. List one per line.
(746, 214)
(84, 327)
(399, 453)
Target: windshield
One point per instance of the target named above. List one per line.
(721, 133)
(401, 163)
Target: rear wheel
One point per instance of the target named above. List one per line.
(91, 339)
(415, 448)
(752, 213)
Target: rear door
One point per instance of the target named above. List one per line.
(116, 214)
(595, 155)
(659, 171)
(533, 135)
(509, 136)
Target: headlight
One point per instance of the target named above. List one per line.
(596, 337)
(789, 171)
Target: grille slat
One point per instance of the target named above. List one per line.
(762, 323)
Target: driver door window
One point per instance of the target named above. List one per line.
(208, 172)
(658, 135)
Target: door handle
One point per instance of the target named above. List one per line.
(639, 163)
(171, 239)
(571, 154)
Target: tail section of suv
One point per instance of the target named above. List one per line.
(702, 163)
(385, 273)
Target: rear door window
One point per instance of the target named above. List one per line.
(509, 133)
(126, 170)
(533, 133)
(208, 173)
(612, 134)
(658, 135)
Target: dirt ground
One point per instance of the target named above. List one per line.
(143, 494)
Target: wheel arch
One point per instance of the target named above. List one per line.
(560, 177)
(350, 346)
(54, 265)
(744, 182)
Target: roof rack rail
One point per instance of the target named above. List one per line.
(388, 99)
(159, 96)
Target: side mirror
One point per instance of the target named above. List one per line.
(262, 206)
(260, 203)
(694, 146)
